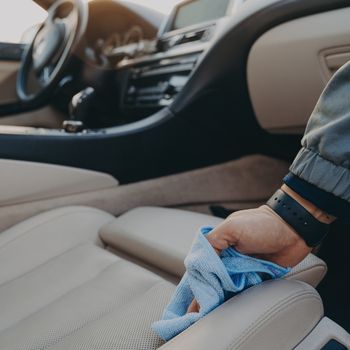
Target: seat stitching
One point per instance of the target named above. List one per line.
(81, 244)
(103, 315)
(25, 232)
(66, 293)
(199, 323)
(250, 330)
(272, 315)
(296, 275)
(305, 269)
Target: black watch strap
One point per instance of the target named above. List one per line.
(294, 214)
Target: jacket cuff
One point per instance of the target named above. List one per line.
(325, 201)
(322, 173)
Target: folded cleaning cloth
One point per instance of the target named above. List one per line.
(211, 280)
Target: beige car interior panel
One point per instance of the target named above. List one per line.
(289, 66)
(325, 331)
(22, 182)
(7, 69)
(242, 183)
(272, 316)
(334, 58)
(8, 76)
(146, 233)
(59, 287)
(46, 117)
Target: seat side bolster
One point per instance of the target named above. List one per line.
(311, 270)
(275, 315)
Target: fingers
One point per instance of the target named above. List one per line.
(223, 236)
(194, 307)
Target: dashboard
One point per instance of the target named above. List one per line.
(114, 29)
(171, 84)
(152, 59)
(109, 41)
(154, 63)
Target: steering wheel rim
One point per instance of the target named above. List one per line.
(46, 57)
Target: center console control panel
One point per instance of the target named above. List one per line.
(155, 78)
(155, 84)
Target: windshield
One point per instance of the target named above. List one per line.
(13, 23)
(17, 16)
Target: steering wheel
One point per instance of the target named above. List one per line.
(46, 57)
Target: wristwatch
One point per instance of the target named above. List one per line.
(294, 214)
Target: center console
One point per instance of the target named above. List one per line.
(156, 83)
(155, 78)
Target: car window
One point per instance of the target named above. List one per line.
(16, 17)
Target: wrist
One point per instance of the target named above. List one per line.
(301, 215)
(317, 213)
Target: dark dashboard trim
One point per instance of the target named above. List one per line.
(180, 51)
(232, 49)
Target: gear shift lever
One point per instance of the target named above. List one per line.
(79, 109)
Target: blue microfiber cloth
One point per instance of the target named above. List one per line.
(211, 280)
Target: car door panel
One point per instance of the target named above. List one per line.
(10, 60)
(8, 74)
(10, 57)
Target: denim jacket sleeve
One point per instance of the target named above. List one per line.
(324, 160)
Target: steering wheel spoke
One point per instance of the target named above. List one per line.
(45, 75)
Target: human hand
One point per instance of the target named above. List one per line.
(264, 234)
(260, 233)
(194, 307)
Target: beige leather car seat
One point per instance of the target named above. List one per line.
(62, 288)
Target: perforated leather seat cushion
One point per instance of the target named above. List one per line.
(59, 289)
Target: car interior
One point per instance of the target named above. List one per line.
(123, 130)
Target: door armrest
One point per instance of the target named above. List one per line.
(274, 315)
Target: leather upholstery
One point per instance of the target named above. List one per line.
(273, 316)
(162, 237)
(61, 289)
(159, 236)
(29, 182)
